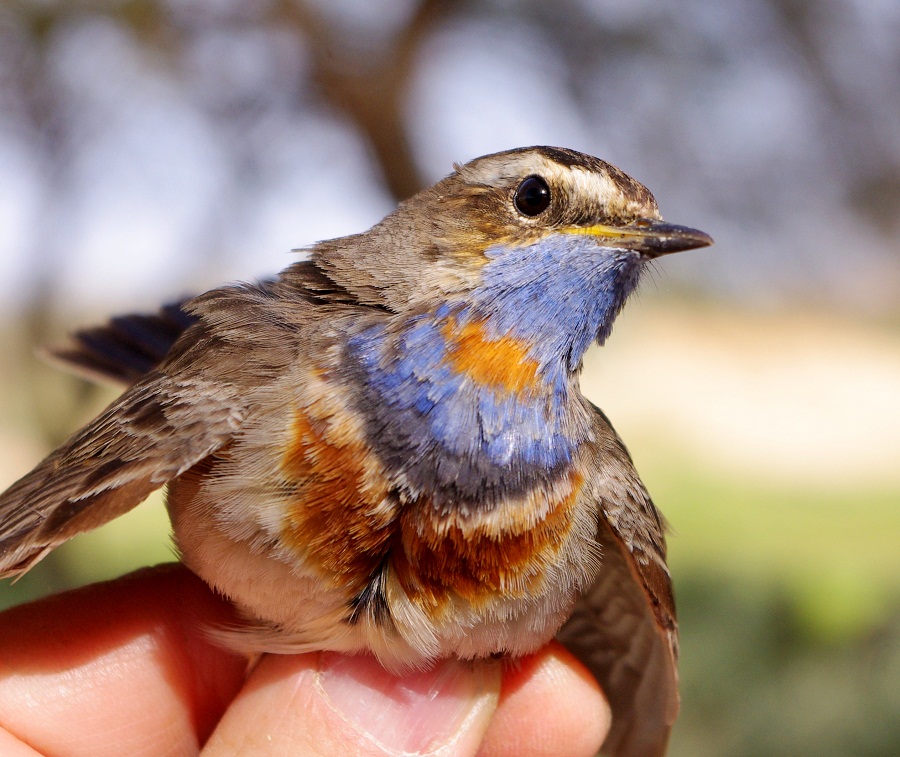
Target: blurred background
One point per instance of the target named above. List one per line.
(154, 148)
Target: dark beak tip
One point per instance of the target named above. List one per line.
(665, 238)
(699, 239)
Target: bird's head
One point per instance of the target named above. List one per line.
(543, 243)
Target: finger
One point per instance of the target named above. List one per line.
(550, 705)
(10, 746)
(117, 668)
(350, 706)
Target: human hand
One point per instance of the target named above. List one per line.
(124, 667)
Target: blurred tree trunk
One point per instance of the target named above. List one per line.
(371, 91)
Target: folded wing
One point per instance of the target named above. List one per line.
(624, 628)
(158, 429)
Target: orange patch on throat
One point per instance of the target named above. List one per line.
(331, 516)
(502, 363)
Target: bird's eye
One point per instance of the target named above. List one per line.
(532, 196)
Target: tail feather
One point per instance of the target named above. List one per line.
(126, 348)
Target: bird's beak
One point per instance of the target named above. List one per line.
(649, 237)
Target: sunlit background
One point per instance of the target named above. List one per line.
(154, 148)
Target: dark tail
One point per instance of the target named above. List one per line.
(128, 347)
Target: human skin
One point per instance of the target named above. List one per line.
(125, 667)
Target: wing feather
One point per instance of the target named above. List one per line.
(194, 368)
(614, 632)
(156, 430)
(624, 628)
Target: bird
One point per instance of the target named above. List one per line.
(384, 449)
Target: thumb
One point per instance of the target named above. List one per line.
(332, 704)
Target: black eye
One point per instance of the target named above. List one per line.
(532, 196)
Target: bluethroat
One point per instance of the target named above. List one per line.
(385, 448)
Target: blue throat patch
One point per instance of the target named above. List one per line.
(559, 294)
(461, 430)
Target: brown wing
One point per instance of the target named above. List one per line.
(128, 347)
(624, 628)
(159, 428)
(174, 416)
(614, 632)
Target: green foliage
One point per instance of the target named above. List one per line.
(789, 613)
(755, 682)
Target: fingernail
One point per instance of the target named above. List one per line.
(418, 712)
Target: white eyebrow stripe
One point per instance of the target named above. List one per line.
(592, 184)
(579, 181)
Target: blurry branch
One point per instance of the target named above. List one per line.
(860, 135)
(371, 91)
